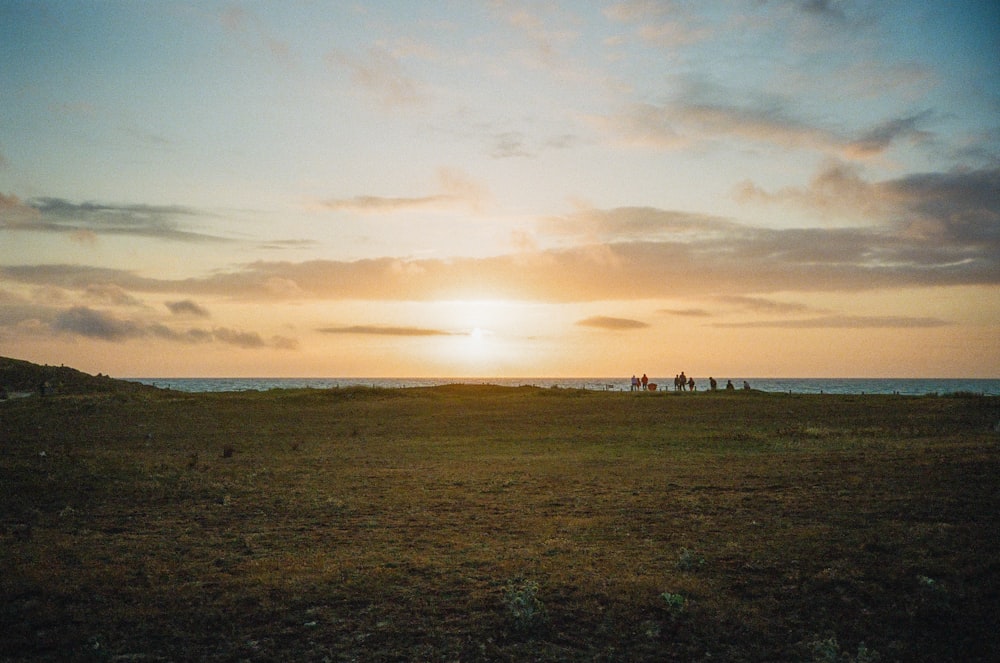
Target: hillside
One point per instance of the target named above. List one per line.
(18, 376)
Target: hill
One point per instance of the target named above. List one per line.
(18, 376)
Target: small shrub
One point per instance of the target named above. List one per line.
(675, 602)
(828, 651)
(523, 607)
(931, 598)
(689, 560)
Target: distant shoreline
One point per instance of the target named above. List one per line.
(901, 386)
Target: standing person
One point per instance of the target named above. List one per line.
(712, 384)
(682, 380)
(729, 385)
(635, 383)
(644, 381)
(690, 384)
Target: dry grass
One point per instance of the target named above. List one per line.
(484, 523)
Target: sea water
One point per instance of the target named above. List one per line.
(902, 386)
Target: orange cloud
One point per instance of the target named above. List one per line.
(614, 324)
(376, 330)
(843, 322)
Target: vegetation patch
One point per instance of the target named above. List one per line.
(481, 523)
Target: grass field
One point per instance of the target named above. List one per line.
(477, 523)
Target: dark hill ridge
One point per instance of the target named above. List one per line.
(23, 376)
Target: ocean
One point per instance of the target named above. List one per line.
(902, 386)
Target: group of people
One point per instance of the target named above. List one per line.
(682, 383)
(641, 384)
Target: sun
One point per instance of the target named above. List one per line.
(484, 338)
(477, 345)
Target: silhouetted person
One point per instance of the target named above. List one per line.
(645, 381)
(712, 384)
(729, 386)
(746, 385)
(682, 380)
(690, 384)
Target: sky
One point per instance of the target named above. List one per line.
(739, 188)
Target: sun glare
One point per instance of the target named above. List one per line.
(484, 336)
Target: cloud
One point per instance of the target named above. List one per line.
(665, 25)
(376, 330)
(110, 294)
(838, 189)
(83, 321)
(84, 221)
(703, 115)
(625, 224)
(932, 229)
(749, 262)
(960, 209)
(225, 335)
(249, 29)
(545, 35)
(188, 307)
(687, 312)
(507, 143)
(457, 192)
(286, 244)
(17, 313)
(615, 324)
(961, 205)
(763, 305)
(878, 139)
(510, 144)
(242, 339)
(685, 123)
(831, 9)
(9, 297)
(104, 326)
(381, 74)
(844, 322)
(15, 214)
(381, 205)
